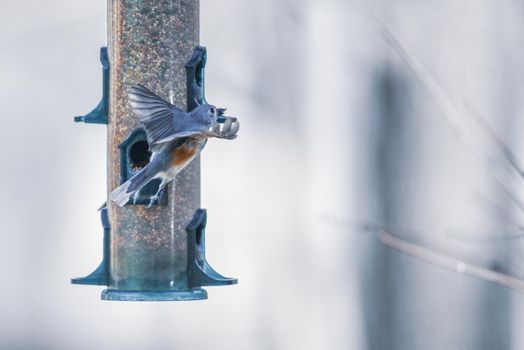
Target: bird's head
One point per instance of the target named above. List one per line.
(214, 121)
(205, 114)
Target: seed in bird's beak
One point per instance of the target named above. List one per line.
(234, 129)
(227, 125)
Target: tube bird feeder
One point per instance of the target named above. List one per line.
(155, 253)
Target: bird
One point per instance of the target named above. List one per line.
(175, 138)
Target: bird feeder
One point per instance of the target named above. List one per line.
(156, 253)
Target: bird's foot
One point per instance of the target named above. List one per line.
(152, 200)
(135, 198)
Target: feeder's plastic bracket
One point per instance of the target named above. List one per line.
(195, 81)
(200, 273)
(100, 276)
(195, 73)
(99, 115)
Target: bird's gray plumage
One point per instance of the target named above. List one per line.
(163, 121)
(168, 128)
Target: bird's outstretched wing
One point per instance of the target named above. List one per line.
(179, 135)
(159, 118)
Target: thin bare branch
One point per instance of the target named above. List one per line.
(504, 148)
(438, 259)
(514, 199)
(484, 238)
(450, 263)
(450, 112)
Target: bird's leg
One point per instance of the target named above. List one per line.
(135, 196)
(157, 194)
(151, 201)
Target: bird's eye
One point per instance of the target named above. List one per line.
(212, 110)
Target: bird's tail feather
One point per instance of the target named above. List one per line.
(122, 194)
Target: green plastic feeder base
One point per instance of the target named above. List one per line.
(119, 295)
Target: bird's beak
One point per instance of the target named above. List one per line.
(221, 111)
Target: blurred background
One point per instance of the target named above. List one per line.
(399, 115)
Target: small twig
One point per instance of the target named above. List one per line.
(487, 238)
(450, 112)
(504, 148)
(511, 196)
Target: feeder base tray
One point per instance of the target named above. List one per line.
(119, 295)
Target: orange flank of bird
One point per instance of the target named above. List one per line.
(182, 154)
